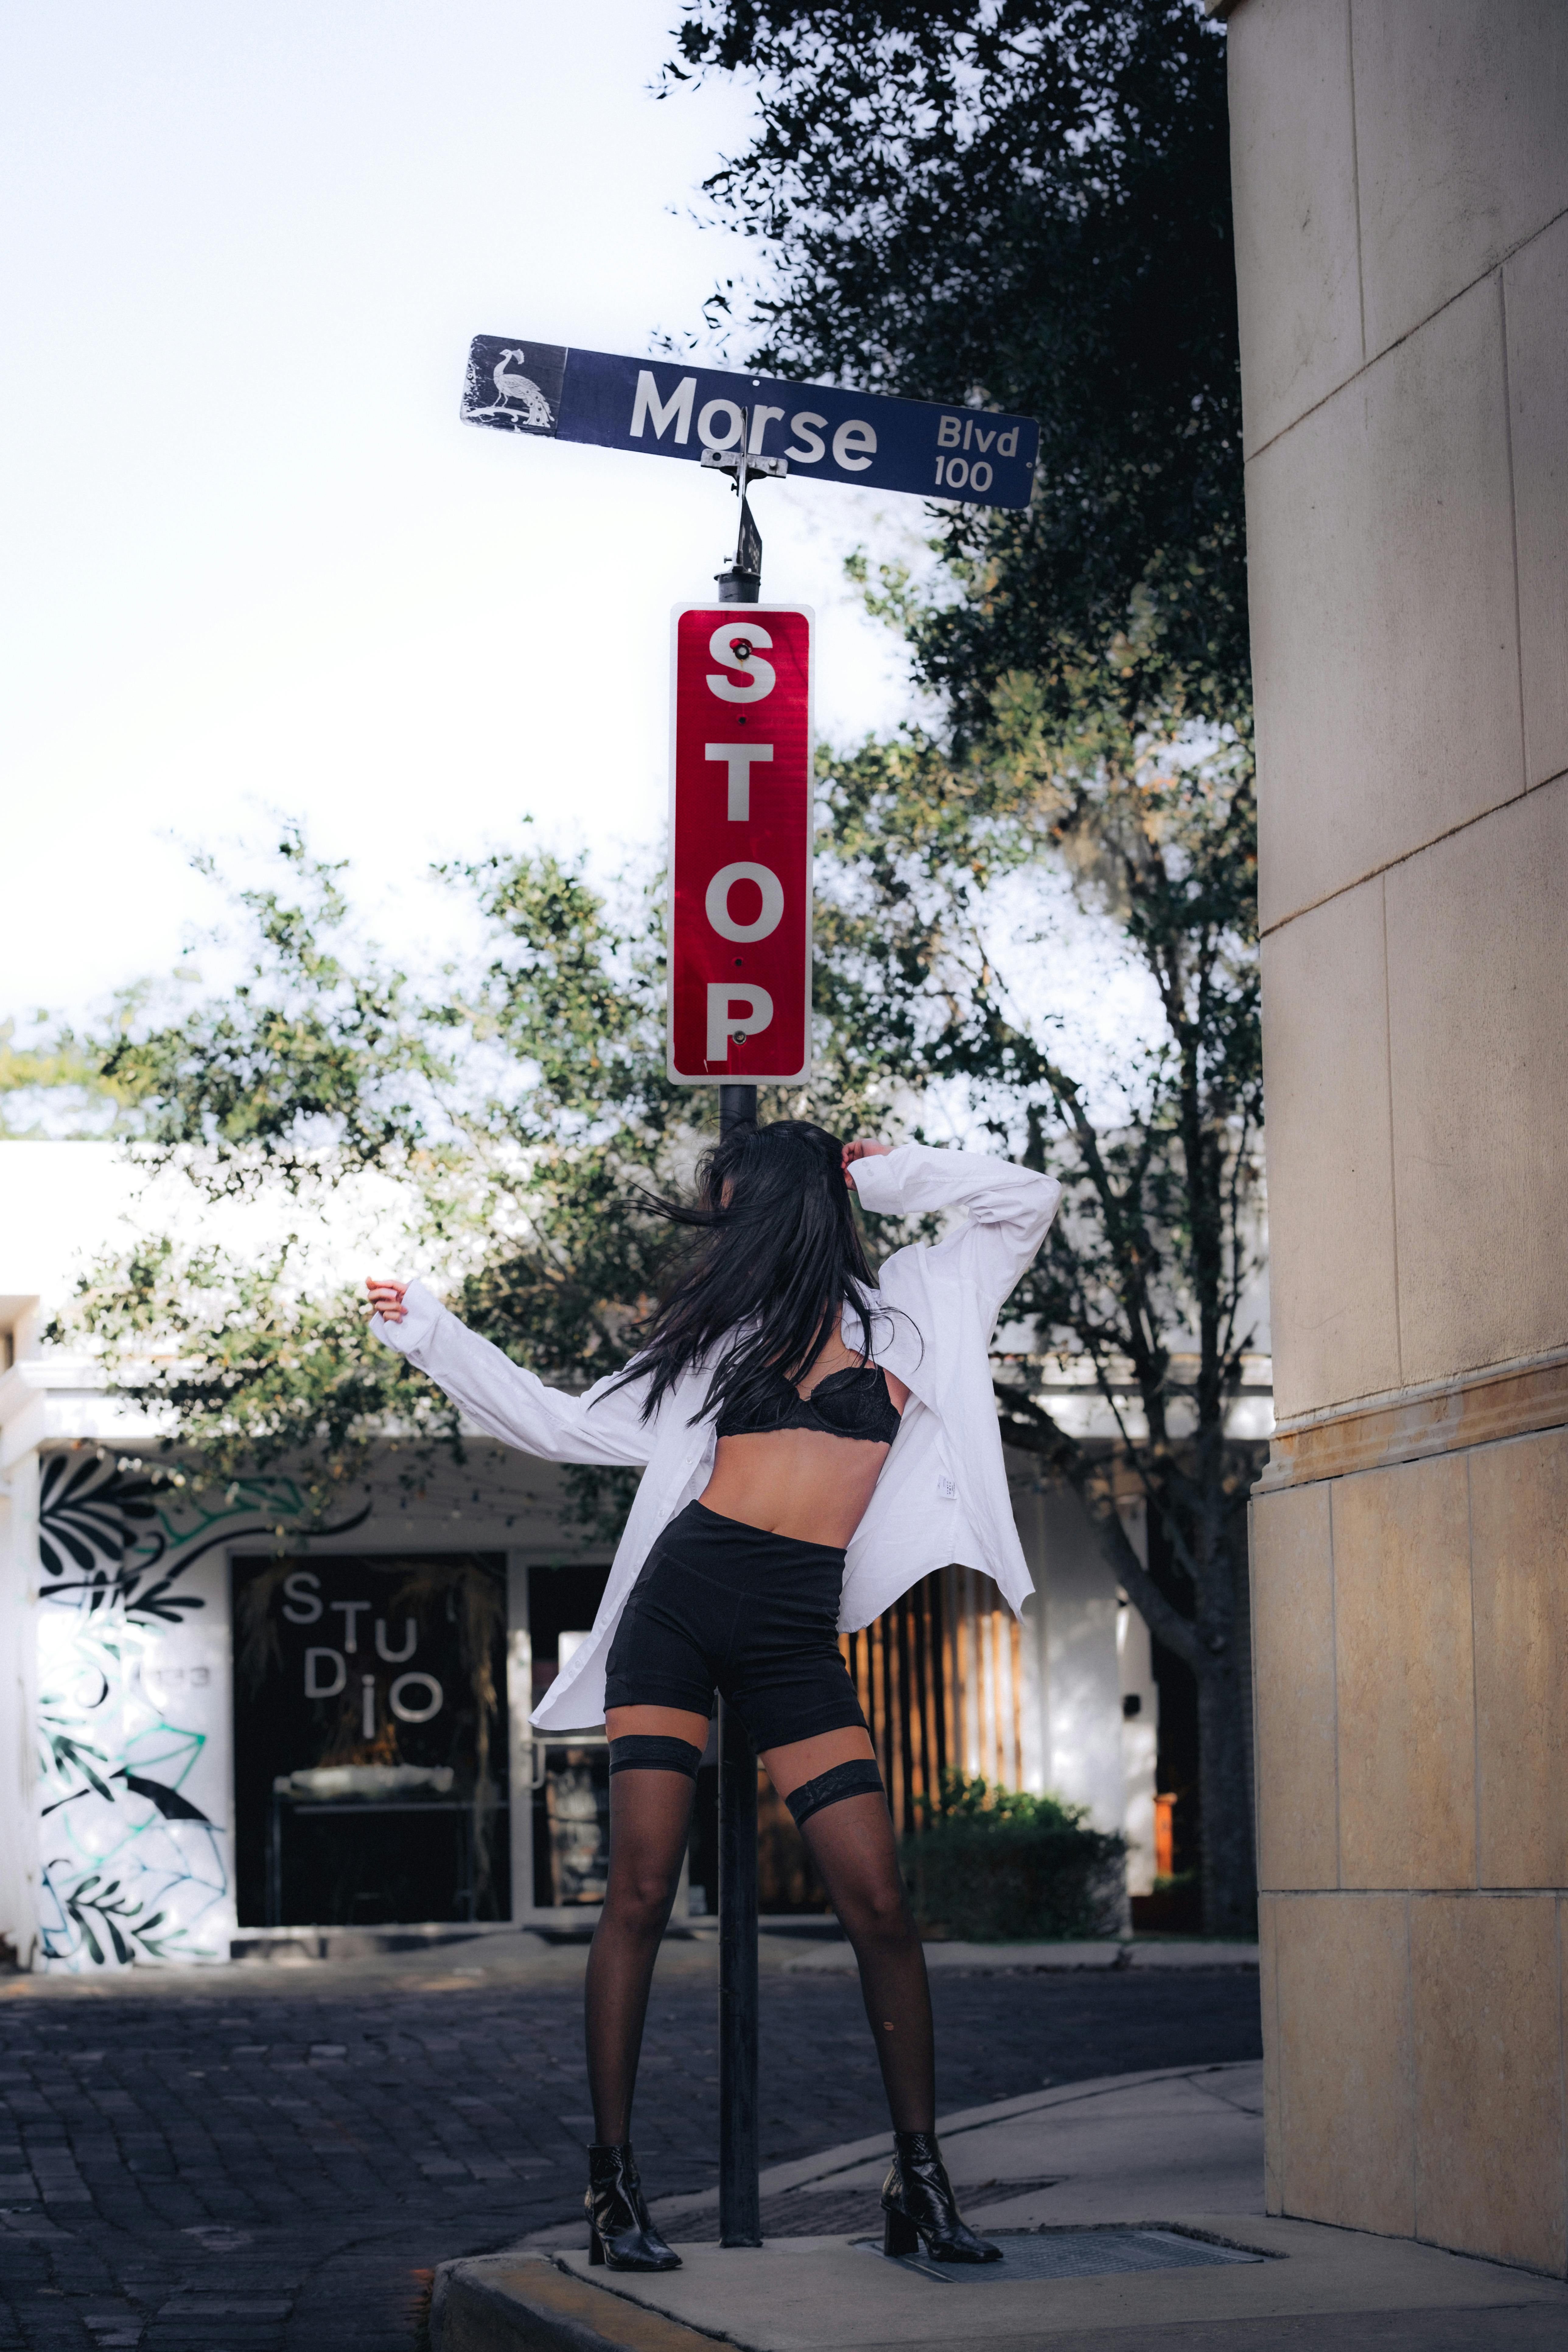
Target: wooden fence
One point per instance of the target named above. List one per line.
(939, 1677)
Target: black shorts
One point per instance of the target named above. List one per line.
(722, 1606)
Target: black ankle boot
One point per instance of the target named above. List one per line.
(620, 2234)
(917, 2197)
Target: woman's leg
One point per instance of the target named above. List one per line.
(852, 1844)
(650, 1818)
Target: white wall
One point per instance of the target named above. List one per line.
(1081, 1671)
(1084, 1652)
(18, 1680)
(1140, 1748)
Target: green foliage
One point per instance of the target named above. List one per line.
(1141, 1291)
(966, 1799)
(1144, 1278)
(1027, 207)
(58, 1088)
(309, 1065)
(522, 1108)
(255, 1370)
(998, 1866)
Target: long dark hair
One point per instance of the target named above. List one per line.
(780, 1259)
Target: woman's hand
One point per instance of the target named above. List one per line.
(861, 1150)
(385, 1298)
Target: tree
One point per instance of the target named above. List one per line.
(521, 1107)
(1145, 1280)
(1029, 208)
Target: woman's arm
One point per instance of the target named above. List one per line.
(1009, 1208)
(604, 1426)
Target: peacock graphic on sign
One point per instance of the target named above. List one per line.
(516, 396)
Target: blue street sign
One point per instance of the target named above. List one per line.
(666, 410)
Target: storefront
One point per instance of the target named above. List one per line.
(242, 1730)
(227, 1729)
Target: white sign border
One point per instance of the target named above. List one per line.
(783, 1078)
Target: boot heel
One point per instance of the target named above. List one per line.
(595, 2248)
(900, 2235)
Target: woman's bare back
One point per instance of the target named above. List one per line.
(801, 1483)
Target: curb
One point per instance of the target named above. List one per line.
(828, 1959)
(522, 2303)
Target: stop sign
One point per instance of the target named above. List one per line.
(740, 927)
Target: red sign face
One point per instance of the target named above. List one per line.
(739, 932)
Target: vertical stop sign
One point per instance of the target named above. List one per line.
(740, 927)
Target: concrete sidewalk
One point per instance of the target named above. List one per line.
(1113, 2150)
(1138, 2195)
(818, 1953)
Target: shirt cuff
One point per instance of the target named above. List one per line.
(421, 1314)
(878, 1173)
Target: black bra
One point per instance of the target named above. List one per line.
(854, 1403)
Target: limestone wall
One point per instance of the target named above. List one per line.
(1401, 179)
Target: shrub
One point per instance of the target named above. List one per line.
(992, 1865)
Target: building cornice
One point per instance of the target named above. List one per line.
(1444, 1417)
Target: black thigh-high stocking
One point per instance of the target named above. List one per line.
(852, 1844)
(650, 1815)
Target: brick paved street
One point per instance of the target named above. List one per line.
(272, 2160)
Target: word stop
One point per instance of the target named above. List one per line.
(740, 930)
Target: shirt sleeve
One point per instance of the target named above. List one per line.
(603, 1426)
(1008, 1210)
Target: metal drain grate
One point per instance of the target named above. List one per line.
(1072, 2253)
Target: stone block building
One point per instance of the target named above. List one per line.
(1401, 182)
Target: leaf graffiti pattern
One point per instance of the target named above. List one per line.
(139, 1870)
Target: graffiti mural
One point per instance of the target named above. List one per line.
(134, 1712)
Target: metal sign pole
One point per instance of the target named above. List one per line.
(977, 456)
(740, 2204)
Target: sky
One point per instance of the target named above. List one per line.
(255, 565)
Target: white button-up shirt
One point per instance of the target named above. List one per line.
(943, 1492)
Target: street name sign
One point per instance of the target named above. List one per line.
(740, 881)
(662, 409)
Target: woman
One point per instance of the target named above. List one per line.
(815, 1441)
